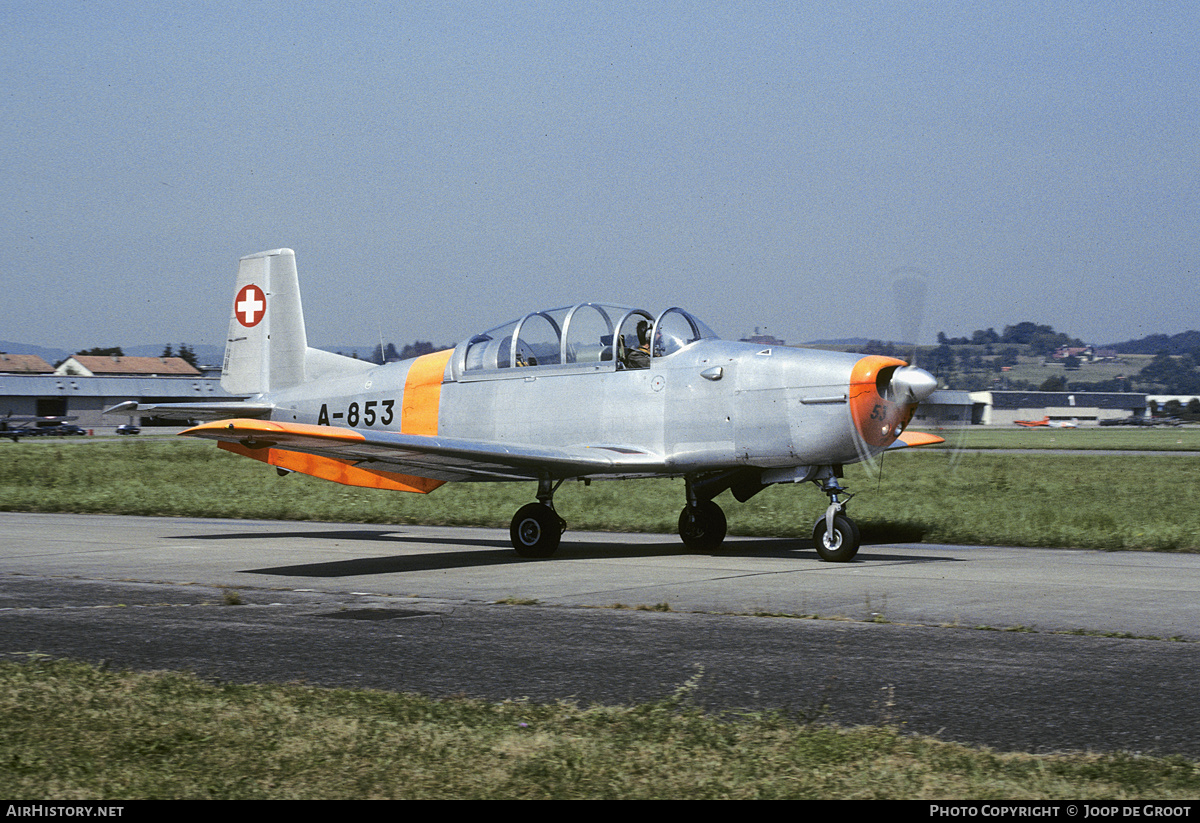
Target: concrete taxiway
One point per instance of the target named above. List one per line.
(410, 608)
(1129, 593)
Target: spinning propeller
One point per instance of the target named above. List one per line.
(881, 412)
(885, 391)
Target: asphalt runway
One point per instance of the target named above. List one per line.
(1023, 649)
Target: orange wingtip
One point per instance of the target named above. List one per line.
(920, 439)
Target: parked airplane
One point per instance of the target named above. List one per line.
(581, 392)
(1046, 422)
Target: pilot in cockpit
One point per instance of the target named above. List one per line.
(639, 358)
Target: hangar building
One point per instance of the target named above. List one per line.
(82, 389)
(1004, 408)
(946, 407)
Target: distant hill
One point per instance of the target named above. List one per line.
(845, 341)
(51, 356)
(1182, 343)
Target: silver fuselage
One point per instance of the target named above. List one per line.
(711, 405)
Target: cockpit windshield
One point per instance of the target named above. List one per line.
(593, 336)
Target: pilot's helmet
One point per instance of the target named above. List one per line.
(643, 332)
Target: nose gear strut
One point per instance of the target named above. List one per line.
(835, 536)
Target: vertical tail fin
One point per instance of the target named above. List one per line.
(266, 343)
(267, 347)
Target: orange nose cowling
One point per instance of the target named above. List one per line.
(877, 419)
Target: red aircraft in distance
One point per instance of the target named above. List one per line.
(1046, 422)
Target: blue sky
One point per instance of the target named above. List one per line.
(440, 168)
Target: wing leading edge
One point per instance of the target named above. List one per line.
(409, 462)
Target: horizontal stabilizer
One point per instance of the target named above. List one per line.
(193, 411)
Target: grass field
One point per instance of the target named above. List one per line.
(70, 731)
(1108, 438)
(1036, 370)
(1084, 500)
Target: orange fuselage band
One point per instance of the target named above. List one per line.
(423, 394)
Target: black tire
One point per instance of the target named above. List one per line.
(536, 530)
(842, 545)
(702, 528)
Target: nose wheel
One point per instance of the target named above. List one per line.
(838, 545)
(835, 536)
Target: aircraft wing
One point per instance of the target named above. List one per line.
(354, 455)
(194, 411)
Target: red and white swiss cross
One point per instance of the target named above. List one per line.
(250, 305)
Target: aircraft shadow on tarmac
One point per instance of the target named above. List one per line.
(498, 552)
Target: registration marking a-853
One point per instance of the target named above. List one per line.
(369, 413)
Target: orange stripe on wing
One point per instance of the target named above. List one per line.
(423, 394)
(339, 471)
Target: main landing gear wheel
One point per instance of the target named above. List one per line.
(702, 527)
(536, 530)
(840, 545)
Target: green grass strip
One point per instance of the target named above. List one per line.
(71, 731)
(1085, 500)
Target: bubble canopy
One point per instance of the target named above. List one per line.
(596, 336)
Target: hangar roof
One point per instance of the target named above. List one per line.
(55, 385)
(1048, 399)
(24, 364)
(114, 365)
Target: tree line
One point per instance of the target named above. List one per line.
(979, 361)
(1038, 339)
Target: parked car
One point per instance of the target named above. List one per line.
(128, 428)
(65, 430)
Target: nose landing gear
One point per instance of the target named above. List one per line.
(835, 535)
